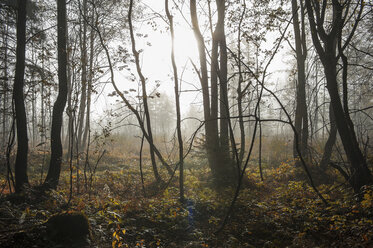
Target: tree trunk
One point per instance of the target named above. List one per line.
(83, 96)
(301, 115)
(5, 86)
(223, 71)
(90, 83)
(56, 145)
(69, 109)
(19, 104)
(240, 94)
(177, 101)
(316, 99)
(360, 173)
(214, 107)
(217, 147)
(328, 148)
(144, 96)
(210, 127)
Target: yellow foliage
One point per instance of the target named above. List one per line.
(367, 201)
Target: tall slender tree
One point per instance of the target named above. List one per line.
(217, 146)
(20, 111)
(177, 101)
(56, 144)
(219, 35)
(240, 91)
(84, 64)
(211, 134)
(328, 42)
(301, 112)
(90, 80)
(144, 95)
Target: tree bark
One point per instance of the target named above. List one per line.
(240, 94)
(5, 85)
(226, 167)
(212, 141)
(69, 109)
(90, 83)
(328, 148)
(223, 71)
(301, 115)
(217, 146)
(83, 95)
(20, 111)
(53, 175)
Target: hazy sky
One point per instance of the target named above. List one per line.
(155, 58)
(156, 63)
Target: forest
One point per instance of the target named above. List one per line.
(184, 123)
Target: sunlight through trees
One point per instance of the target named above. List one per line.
(184, 123)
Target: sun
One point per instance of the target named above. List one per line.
(157, 47)
(156, 62)
(185, 43)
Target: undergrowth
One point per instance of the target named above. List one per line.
(282, 211)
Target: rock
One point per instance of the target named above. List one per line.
(68, 227)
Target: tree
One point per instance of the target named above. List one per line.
(301, 115)
(6, 20)
(120, 93)
(328, 42)
(219, 36)
(144, 94)
(84, 63)
(53, 175)
(90, 81)
(217, 147)
(20, 111)
(240, 91)
(177, 101)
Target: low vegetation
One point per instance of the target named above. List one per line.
(282, 211)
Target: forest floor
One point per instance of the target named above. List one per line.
(282, 211)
